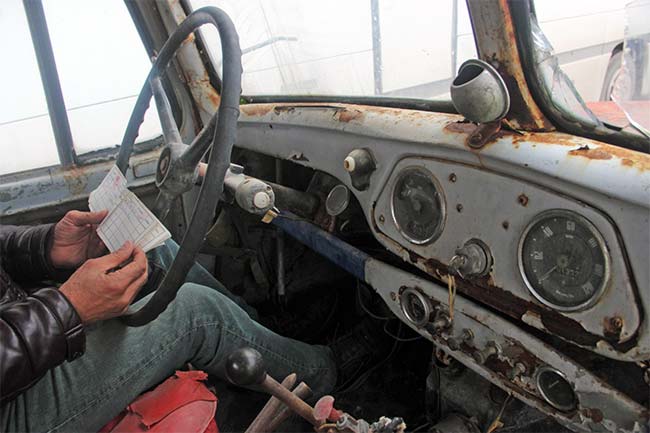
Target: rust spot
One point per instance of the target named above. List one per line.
(612, 327)
(522, 200)
(346, 115)
(462, 127)
(596, 415)
(586, 152)
(256, 109)
(481, 290)
(76, 179)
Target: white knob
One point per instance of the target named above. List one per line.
(261, 200)
(349, 164)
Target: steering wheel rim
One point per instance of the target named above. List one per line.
(222, 142)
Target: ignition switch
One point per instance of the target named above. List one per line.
(472, 260)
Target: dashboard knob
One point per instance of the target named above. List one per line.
(491, 349)
(516, 371)
(472, 260)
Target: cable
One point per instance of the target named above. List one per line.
(364, 308)
(402, 340)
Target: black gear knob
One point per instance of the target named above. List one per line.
(245, 367)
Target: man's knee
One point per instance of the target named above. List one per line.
(198, 302)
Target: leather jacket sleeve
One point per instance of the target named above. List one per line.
(39, 329)
(23, 253)
(36, 334)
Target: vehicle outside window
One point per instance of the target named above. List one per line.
(590, 52)
(101, 64)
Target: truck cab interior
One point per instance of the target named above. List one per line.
(497, 231)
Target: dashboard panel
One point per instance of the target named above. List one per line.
(517, 187)
(502, 212)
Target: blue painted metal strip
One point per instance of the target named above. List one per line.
(341, 253)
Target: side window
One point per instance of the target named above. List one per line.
(101, 64)
(26, 138)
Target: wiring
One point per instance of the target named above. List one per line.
(365, 309)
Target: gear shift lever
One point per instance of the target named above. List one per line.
(245, 367)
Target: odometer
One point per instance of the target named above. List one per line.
(564, 260)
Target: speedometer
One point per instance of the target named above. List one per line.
(563, 260)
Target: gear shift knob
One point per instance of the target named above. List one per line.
(245, 367)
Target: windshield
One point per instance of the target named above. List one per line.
(389, 48)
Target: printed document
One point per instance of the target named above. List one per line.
(128, 218)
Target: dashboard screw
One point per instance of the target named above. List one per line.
(459, 207)
(523, 199)
(452, 177)
(505, 225)
(382, 219)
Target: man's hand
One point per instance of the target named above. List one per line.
(75, 239)
(99, 291)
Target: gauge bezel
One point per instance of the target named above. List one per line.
(443, 205)
(601, 244)
(540, 389)
(426, 306)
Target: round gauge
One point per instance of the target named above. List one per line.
(555, 389)
(415, 306)
(564, 260)
(417, 205)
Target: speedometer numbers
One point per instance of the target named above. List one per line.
(563, 260)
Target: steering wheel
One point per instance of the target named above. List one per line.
(177, 164)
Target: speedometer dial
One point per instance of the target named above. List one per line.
(417, 206)
(564, 260)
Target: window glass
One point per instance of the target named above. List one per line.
(102, 65)
(599, 50)
(26, 138)
(397, 48)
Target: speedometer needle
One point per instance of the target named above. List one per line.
(548, 273)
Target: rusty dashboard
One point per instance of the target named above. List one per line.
(562, 223)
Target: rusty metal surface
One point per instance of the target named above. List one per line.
(609, 181)
(487, 199)
(600, 406)
(194, 72)
(496, 44)
(46, 188)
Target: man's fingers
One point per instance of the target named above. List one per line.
(82, 218)
(135, 268)
(118, 257)
(134, 288)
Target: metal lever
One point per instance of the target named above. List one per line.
(251, 194)
(245, 367)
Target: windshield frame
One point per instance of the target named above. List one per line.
(523, 12)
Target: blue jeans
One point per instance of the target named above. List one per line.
(201, 326)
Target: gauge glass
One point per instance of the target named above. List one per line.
(417, 206)
(564, 260)
(415, 307)
(555, 389)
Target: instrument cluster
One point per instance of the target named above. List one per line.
(560, 258)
